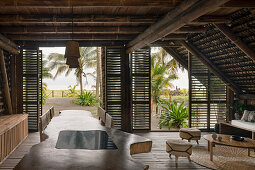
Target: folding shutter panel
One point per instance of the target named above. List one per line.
(207, 96)
(141, 89)
(113, 84)
(31, 86)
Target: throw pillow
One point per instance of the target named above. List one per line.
(245, 115)
(251, 117)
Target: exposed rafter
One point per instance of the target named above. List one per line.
(96, 19)
(176, 56)
(111, 3)
(214, 69)
(181, 15)
(89, 4)
(64, 19)
(48, 37)
(8, 45)
(236, 40)
(89, 30)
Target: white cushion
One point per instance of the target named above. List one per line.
(251, 117)
(245, 125)
(245, 115)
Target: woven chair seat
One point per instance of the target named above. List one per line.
(190, 134)
(178, 148)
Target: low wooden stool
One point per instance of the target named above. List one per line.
(190, 134)
(178, 148)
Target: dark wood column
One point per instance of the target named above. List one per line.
(13, 84)
(19, 82)
(230, 102)
(126, 92)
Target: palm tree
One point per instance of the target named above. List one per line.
(163, 71)
(46, 70)
(87, 60)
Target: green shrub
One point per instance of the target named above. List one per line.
(72, 91)
(86, 99)
(174, 115)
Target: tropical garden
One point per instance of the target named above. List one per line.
(169, 103)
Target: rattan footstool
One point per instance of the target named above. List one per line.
(178, 148)
(190, 134)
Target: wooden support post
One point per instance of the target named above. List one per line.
(190, 87)
(210, 66)
(236, 40)
(230, 102)
(103, 78)
(5, 83)
(19, 80)
(14, 84)
(52, 93)
(126, 92)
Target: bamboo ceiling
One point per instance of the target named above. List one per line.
(113, 22)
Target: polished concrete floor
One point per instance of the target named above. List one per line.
(157, 159)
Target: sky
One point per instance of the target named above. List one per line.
(62, 82)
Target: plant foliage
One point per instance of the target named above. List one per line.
(71, 91)
(174, 115)
(86, 99)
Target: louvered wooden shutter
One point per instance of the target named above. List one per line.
(207, 96)
(141, 91)
(32, 86)
(113, 84)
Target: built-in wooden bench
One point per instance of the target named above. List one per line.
(44, 121)
(13, 130)
(101, 115)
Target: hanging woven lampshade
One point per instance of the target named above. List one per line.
(72, 49)
(73, 62)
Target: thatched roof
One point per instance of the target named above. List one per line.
(136, 23)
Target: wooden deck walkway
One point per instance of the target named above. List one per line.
(157, 159)
(18, 154)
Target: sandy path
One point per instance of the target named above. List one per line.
(64, 103)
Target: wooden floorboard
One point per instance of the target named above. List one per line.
(18, 154)
(157, 159)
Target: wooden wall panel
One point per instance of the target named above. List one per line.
(13, 130)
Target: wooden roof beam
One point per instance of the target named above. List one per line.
(176, 56)
(214, 69)
(8, 45)
(211, 19)
(236, 40)
(68, 29)
(94, 3)
(59, 36)
(239, 4)
(111, 3)
(76, 37)
(89, 30)
(98, 19)
(82, 43)
(186, 12)
(64, 19)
